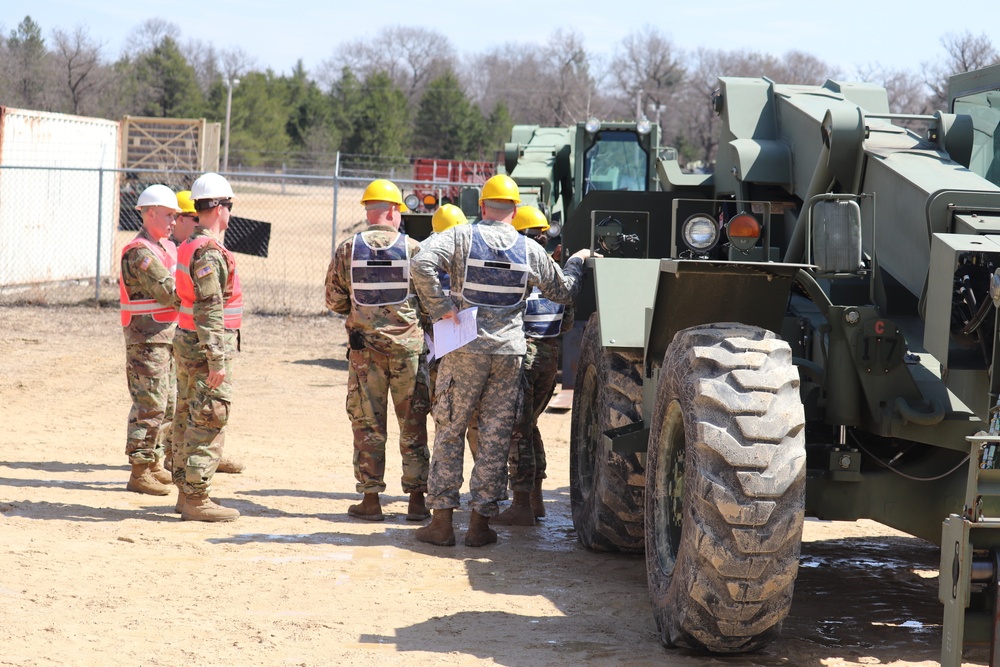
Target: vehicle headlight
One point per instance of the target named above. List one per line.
(412, 202)
(700, 232)
(643, 126)
(592, 125)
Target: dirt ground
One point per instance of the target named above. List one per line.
(92, 574)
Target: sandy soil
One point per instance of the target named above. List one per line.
(92, 574)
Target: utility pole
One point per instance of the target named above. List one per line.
(229, 107)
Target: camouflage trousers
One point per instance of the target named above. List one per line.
(466, 382)
(149, 371)
(202, 413)
(372, 377)
(527, 451)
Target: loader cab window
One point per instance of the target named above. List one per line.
(616, 161)
(984, 107)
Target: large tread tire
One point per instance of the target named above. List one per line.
(725, 489)
(606, 488)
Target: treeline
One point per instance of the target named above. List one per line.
(408, 92)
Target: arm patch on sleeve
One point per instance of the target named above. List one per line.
(203, 271)
(145, 263)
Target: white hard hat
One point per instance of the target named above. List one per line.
(211, 186)
(157, 195)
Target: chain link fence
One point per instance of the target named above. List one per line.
(63, 229)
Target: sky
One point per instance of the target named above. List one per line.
(845, 33)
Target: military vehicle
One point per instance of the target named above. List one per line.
(809, 330)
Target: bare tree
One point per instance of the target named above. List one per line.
(907, 91)
(411, 57)
(148, 34)
(568, 82)
(204, 57)
(965, 52)
(78, 58)
(236, 62)
(507, 74)
(647, 72)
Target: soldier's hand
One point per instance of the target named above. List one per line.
(216, 378)
(450, 315)
(557, 253)
(584, 253)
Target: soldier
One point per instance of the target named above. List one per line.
(493, 268)
(149, 317)
(544, 323)
(444, 218)
(184, 227)
(369, 281)
(207, 341)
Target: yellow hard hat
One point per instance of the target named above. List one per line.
(185, 202)
(446, 217)
(529, 217)
(382, 190)
(500, 186)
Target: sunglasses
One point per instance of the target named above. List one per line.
(227, 204)
(537, 236)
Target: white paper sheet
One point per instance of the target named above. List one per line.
(450, 335)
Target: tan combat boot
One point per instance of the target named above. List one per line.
(229, 465)
(518, 514)
(179, 505)
(417, 510)
(199, 507)
(537, 504)
(369, 509)
(439, 531)
(143, 481)
(479, 533)
(159, 472)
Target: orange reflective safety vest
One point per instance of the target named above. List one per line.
(232, 313)
(167, 254)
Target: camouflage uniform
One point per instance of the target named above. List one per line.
(386, 357)
(489, 366)
(541, 365)
(148, 353)
(202, 412)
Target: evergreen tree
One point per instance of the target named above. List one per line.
(381, 126)
(258, 120)
(171, 83)
(309, 118)
(28, 63)
(447, 125)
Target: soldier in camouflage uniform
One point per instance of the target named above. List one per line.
(207, 340)
(368, 280)
(444, 218)
(184, 227)
(544, 324)
(149, 318)
(494, 268)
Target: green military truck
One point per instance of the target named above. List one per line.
(809, 330)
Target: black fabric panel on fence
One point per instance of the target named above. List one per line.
(250, 237)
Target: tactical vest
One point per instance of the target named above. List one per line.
(542, 317)
(232, 310)
(495, 277)
(380, 276)
(167, 254)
